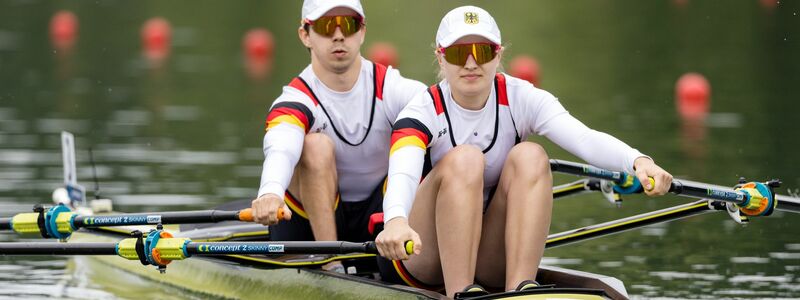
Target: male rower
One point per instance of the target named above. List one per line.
(325, 147)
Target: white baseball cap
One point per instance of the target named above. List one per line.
(464, 21)
(313, 9)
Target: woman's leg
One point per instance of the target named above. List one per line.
(517, 221)
(447, 216)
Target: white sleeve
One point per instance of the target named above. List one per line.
(411, 137)
(544, 115)
(595, 147)
(283, 145)
(398, 92)
(405, 172)
(289, 119)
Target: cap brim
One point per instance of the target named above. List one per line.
(453, 37)
(320, 11)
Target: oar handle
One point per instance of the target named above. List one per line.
(372, 248)
(246, 215)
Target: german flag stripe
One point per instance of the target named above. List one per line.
(410, 280)
(292, 113)
(297, 207)
(409, 132)
(406, 141)
(419, 129)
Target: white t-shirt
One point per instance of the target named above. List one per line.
(433, 123)
(358, 121)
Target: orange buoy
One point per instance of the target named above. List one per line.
(526, 68)
(383, 53)
(63, 30)
(156, 39)
(692, 96)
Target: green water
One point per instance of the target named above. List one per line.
(188, 134)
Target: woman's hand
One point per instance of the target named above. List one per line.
(391, 241)
(645, 169)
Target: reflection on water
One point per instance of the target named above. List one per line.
(187, 133)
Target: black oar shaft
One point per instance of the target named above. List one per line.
(242, 248)
(183, 217)
(786, 203)
(679, 187)
(58, 249)
(585, 170)
(633, 222)
(5, 223)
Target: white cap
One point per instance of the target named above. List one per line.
(313, 9)
(464, 21)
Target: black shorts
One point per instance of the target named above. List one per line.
(352, 219)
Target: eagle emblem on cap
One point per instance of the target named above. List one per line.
(470, 18)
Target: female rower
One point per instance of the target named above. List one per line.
(482, 212)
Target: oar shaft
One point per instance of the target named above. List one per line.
(679, 187)
(58, 249)
(786, 203)
(182, 217)
(5, 223)
(579, 169)
(707, 192)
(242, 248)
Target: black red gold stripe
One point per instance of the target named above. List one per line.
(292, 113)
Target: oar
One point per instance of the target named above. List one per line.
(159, 248)
(633, 222)
(59, 222)
(753, 198)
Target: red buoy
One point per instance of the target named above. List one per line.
(63, 30)
(156, 39)
(258, 47)
(692, 96)
(383, 53)
(526, 68)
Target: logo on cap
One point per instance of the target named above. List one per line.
(471, 18)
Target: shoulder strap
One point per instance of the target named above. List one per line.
(502, 99)
(436, 95)
(379, 76)
(301, 85)
(438, 102)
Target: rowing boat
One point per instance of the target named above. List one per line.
(224, 264)
(300, 276)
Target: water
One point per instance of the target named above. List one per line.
(187, 134)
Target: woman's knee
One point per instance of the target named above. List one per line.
(464, 161)
(528, 159)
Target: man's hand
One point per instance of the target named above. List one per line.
(270, 209)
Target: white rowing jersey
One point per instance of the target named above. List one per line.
(433, 123)
(358, 121)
